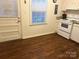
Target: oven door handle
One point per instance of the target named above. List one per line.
(69, 24)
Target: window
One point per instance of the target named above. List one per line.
(39, 11)
(8, 8)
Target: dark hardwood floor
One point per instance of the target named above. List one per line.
(50, 46)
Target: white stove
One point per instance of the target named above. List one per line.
(65, 28)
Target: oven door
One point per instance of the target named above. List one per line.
(65, 27)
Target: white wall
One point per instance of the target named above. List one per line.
(70, 4)
(31, 31)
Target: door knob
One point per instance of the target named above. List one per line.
(25, 1)
(17, 21)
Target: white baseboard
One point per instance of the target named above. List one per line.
(38, 35)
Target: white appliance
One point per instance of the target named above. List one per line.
(64, 28)
(75, 32)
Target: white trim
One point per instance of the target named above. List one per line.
(38, 35)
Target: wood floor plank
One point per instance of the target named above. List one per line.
(50, 46)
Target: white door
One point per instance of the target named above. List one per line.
(10, 24)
